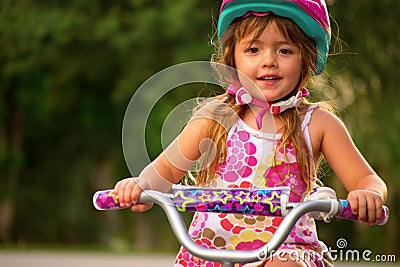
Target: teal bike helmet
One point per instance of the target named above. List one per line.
(310, 15)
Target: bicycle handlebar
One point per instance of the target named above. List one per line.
(277, 205)
(264, 202)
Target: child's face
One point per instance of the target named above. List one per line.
(270, 62)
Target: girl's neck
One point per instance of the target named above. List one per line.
(270, 123)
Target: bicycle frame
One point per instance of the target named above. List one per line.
(228, 258)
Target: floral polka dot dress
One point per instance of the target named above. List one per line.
(250, 162)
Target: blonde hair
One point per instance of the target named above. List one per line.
(291, 131)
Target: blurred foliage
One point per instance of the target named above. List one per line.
(69, 68)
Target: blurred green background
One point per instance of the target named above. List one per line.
(69, 68)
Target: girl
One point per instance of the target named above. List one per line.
(274, 47)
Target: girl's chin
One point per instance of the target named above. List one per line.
(272, 98)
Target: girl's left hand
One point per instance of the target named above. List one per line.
(367, 204)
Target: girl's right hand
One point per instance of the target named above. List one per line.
(128, 191)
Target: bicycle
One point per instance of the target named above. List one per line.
(321, 204)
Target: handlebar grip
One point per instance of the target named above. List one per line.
(346, 213)
(106, 200)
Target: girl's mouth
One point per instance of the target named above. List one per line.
(269, 78)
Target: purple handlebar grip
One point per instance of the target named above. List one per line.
(348, 214)
(266, 202)
(105, 200)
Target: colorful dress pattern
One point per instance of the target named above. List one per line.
(253, 162)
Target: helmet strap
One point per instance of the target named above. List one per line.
(245, 98)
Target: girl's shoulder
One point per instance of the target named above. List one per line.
(324, 118)
(326, 126)
(318, 112)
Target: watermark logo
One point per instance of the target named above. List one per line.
(145, 98)
(341, 243)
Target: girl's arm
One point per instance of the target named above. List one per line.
(367, 191)
(167, 169)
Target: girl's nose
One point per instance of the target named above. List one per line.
(269, 60)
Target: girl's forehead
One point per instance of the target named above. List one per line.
(270, 30)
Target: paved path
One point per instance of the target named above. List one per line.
(84, 259)
(87, 259)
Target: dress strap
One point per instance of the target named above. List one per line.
(306, 132)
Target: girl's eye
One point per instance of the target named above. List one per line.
(285, 51)
(252, 50)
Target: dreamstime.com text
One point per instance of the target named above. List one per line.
(340, 253)
(356, 255)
